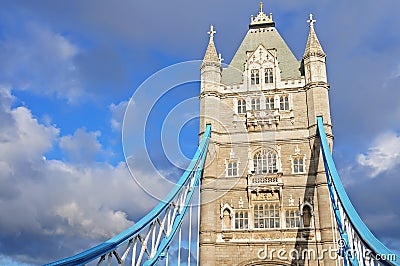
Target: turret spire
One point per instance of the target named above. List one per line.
(313, 46)
(314, 57)
(211, 55)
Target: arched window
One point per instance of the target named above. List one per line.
(284, 102)
(255, 76)
(266, 215)
(241, 106)
(255, 104)
(268, 75)
(232, 169)
(265, 162)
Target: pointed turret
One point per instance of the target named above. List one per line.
(316, 82)
(211, 71)
(313, 46)
(211, 52)
(211, 66)
(211, 57)
(314, 57)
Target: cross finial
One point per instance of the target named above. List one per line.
(211, 32)
(220, 60)
(261, 6)
(311, 21)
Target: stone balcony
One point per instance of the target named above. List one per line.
(262, 181)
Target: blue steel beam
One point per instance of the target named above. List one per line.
(363, 232)
(113, 243)
(177, 223)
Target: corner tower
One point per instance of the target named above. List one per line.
(314, 60)
(263, 186)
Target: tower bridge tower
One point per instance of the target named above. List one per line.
(264, 187)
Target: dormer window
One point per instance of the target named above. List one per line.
(255, 76)
(268, 76)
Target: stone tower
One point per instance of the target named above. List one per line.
(264, 195)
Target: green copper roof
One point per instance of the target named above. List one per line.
(269, 38)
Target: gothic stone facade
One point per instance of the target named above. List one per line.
(264, 186)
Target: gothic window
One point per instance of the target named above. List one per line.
(255, 104)
(241, 106)
(284, 102)
(292, 218)
(266, 215)
(265, 162)
(232, 169)
(268, 75)
(241, 220)
(255, 76)
(269, 103)
(306, 216)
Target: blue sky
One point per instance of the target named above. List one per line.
(69, 69)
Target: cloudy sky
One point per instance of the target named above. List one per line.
(69, 68)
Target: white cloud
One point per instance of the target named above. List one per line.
(383, 156)
(117, 114)
(21, 136)
(47, 59)
(58, 206)
(82, 146)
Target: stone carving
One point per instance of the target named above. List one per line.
(265, 196)
(267, 235)
(241, 203)
(291, 200)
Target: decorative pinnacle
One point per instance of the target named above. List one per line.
(311, 21)
(261, 17)
(211, 33)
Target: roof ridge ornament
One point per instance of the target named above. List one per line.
(261, 17)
